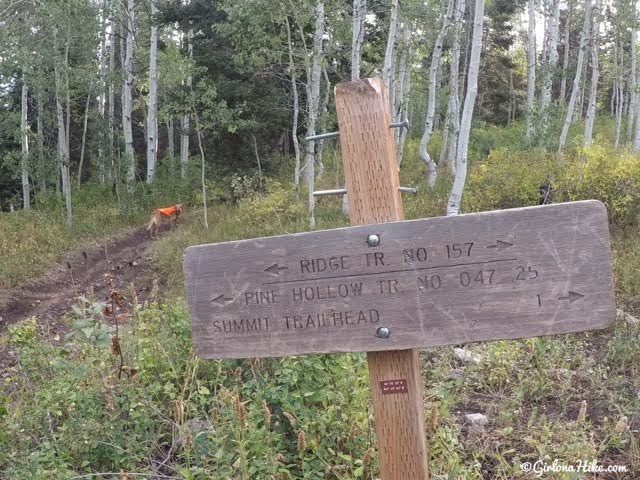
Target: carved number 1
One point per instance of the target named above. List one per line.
(539, 300)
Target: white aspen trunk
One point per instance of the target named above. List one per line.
(26, 192)
(152, 110)
(432, 168)
(454, 86)
(313, 95)
(453, 206)
(614, 89)
(551, 60)
(619, 109)
(583, 87)
(323, 115)
(436, 118)
(565, 55)
(357, 36)
(531, 68)
(296, 110)
(127, 100)
(171, 147)
(403, 47)
(512, 97)
(67, 96)
(63, 151)
(84, 133)
(584, 36)
(64, 134)
(465, 61)
(42, 178)
(619, 103)
(633, 95)
(390, 52)
(184, 137)
(255, 149)
(545, 32)
(111, 117)
(202, 167)
(595, 75)
(636, 138)
(404, 89)
(404, 113)
(102, 94)
(394, 77)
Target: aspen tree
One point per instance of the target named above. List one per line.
(595, 75)
(26, 193)
(432, 168)
(152, 110)
(453, 206)
(551, 62)
(584, 37)
(531, 68)
(127, 98)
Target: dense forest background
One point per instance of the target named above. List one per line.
(119, 93)
(112, 108)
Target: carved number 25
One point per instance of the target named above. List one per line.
(526, 273)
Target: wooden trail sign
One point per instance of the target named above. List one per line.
(387, 287)
(495, 275)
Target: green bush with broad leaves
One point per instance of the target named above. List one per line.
(510, 178)
(275, 212)
(597, 172)
(507, 179)
(69, 412)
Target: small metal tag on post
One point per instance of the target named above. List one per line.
(372, 183)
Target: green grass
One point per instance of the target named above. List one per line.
(65, 413)
(32, 241)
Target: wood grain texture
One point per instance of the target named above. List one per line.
(399, 417)
(494, 275)
(371, 178)
(368, 152)
(529, 272)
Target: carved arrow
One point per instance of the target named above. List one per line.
(501, 245)
(275, 269)
(572, 297)
(221, 300)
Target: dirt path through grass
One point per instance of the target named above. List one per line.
(118, 262)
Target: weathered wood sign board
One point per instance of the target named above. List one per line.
(495, 275)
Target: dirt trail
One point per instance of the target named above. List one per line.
(53, 295)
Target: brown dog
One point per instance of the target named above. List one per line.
(161, 214)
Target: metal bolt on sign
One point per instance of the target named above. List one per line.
(373, 240)
(383, 332)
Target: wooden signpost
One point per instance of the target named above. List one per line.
(439, 281)
(389, 287)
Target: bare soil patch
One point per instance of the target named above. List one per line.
(116, 263)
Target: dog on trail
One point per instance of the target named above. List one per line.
(159, 215)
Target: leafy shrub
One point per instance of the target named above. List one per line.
(275, 213)
(68, 413)
(24, 334)
(246, 186)
(609, 176)
(626, 268)
(506, 179)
